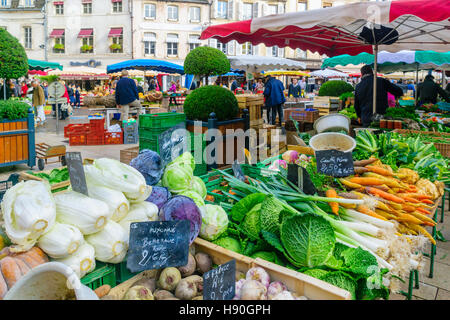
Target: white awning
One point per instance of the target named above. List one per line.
(253, 63)
(194, 39)
(149, 36)
(173, 38)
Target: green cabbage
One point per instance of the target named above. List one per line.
(214, 222)
(251, 224)
(194, 196)
(228, 243)
(177, 178)
(308, 240)
(186, 160)
(269, 216)
(198, 186)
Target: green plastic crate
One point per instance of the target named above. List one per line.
(150, 141)
(200, 169)
(158, 121)
(122, 273)
(103, 274)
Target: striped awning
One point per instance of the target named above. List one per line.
(115, 32)
(85, 33)
(57, 33)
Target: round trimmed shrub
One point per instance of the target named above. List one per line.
(335, 88)
(206, 61)
(204, 100)
(13, 59)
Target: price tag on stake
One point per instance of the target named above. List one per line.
(220, 283)
(76, 172)
(158, 244)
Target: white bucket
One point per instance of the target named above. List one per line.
(50, 281)
(332, 140)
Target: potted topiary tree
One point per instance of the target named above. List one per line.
(335, 88)
(205, 62)
(216, 108)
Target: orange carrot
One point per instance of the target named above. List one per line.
(428, 201)
(209, 198)
(420, 196)
(423, 231)
(384, 195)
(407, 198)
(382, 187)
(367, 211)
(379, 170)
(423, 210)
(366, 181)
(408, 208)
(331, 193)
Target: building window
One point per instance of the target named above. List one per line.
(275, 51)
(326, 4)
(172, 13)
(116, 45)
(302, 5)
(248, 11)
(87, 8)
(59, 46)
(194, 14)
(300, 54)
(149, 43)
(272, 9)
(222, 9)
(87, 44)
(172, 44)
(247, 48)
(28, 3)
(117, 6)
(59, 8)
(4, 3)
(28, 41)
(194, 42)
(222, 47)
(150, 11)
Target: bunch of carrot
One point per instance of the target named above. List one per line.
(393, 198)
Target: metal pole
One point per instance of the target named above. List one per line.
(375, 71)
(45, 31)
(417, 82)
(4, 89)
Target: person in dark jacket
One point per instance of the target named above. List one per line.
(71, 93)
(234, 85)
(127, 95)
(295, 90)
(77, 97)
(364, 95)
(273, 92)
(428, 91)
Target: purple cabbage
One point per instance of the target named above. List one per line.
(159, 196)
(182, 208)
(148, 163)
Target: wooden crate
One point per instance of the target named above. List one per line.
(326, 102)
(126, 155)
(254, 104)
(296, 282)
(24, 176)
(325, 111)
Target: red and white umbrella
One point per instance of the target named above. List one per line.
(348, 29)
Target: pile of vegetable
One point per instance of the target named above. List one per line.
(54, 177)
(402, 113)
(349, 112)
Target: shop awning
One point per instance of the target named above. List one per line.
(116, 0)
(85, 33)
(149, 36)
(86, 1)
(115, 32)
(194, 39)
(57, 33)
(43, 65)
(58, 2)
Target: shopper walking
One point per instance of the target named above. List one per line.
(127, 95)
(77, 97)
(428, 91)
(274, 94)
(38, 101)
(364, 96)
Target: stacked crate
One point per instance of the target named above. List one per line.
(91, 134)
(254, 103)
(326, 105)
(130, 132)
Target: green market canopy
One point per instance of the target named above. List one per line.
(43, 65)
(404, 61)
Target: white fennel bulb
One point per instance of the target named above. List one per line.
(28, 210)
(117, 202)
(61, 240)
(81, 261)
(110, 244)
(87, 214)
(139, 212)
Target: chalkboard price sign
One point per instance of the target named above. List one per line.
(76, 172)
(335, 163)
(220, 283)
(158, 244)
(237, 170)
(173, 142)
(300, 177)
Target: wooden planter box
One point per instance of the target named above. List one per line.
(253, 103)
(17, 141)
(220, 154)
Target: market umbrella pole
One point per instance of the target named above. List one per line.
(375, 69)
(417, 82)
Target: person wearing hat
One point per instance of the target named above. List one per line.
(428, 91)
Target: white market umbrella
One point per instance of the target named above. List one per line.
(328, 73)
(253, 64)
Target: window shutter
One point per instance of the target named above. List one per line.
(255, 10)
(280, 8)
(255, 50)
(281, 52)
(230, 48)
(241, 11)
(212, 43)
(230, 14)
(264, 9)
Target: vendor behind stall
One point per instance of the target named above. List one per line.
(428, 91)
(127, 95)
(364, 95)
(295, 89)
